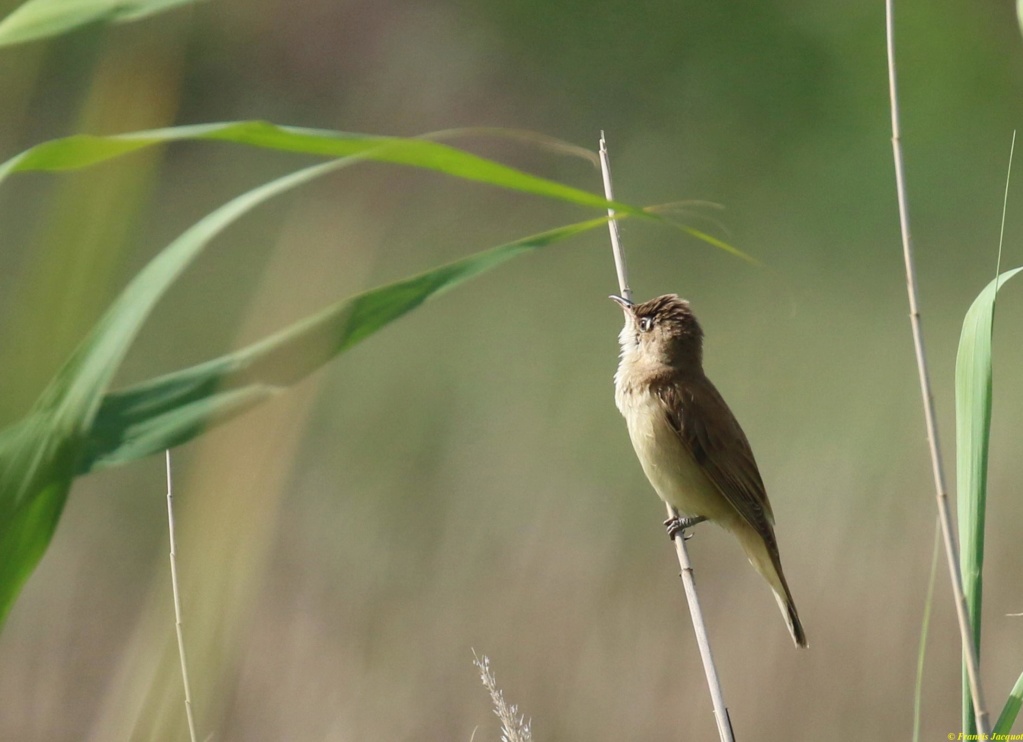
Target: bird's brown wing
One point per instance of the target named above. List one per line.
(709, 430)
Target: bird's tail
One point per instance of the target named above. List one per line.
(762, 550)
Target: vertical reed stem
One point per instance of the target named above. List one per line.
(178, 624)
(724, 723)
(970, 659)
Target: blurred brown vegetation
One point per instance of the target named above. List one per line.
(462, 480)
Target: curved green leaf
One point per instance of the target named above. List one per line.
(84, 150)
(39, 455)
(973, 429)
(38, 19)
(167, 411)
(1012, 706)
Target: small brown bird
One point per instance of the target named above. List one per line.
(690, 445)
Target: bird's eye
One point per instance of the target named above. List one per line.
(646, 324)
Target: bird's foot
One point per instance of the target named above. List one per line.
(678, 525)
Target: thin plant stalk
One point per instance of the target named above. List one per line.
(721, 717)
(612, 225)
(970, 658)
(925, 625)
(178, 624)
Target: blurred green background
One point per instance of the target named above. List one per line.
(463, 480)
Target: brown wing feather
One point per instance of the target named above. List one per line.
(720, 448)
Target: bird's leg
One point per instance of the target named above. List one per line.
(678, 524)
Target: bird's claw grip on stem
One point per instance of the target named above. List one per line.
(678, 524)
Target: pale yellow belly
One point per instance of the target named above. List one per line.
(669, 466)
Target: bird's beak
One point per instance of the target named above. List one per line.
(622, 302)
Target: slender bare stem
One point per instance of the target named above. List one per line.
(612, 224)
(1005, 209)
(724, 724)
(944, 510)
(918, 691)
(178, 625)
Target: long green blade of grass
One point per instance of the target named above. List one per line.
(164, 412)
(82, 150)
(1012, 705)
(40, 454)
(39, 19)
(973, 428)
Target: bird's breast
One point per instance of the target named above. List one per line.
(668, 464)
